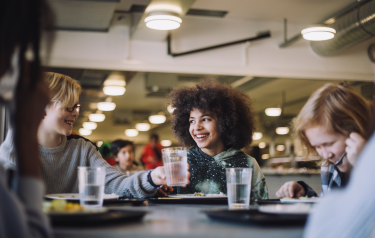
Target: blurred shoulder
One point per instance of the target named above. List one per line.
(77, 140)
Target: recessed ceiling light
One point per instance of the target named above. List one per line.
(157, 119)
(166, 143)
(96, 117)
(84, 132)
(142, 126)
(163, 21)
(273, 112)
(265, 156)
(280, 147)
(262, 145)
(170, 109)
(257, 135)
(89, 125)
(318, 33)
(131, 132)
(106, 106)
(282, 130)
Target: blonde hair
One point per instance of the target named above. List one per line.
(64, 90)
(338, 108)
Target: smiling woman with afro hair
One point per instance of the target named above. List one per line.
(216, 121)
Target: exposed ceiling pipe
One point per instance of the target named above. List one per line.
(352, 28)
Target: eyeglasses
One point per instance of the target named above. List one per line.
(71, 109)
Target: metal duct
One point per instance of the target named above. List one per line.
(352, 28)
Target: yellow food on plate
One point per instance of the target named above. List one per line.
(61, 205)
(198, 194)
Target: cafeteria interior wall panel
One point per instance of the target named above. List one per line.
(274, 182)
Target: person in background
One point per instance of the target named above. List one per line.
(335, 123)
(105, 151)
(25, 95)
(216, 120)
(123, 153)
(61, 153)
(151, 155)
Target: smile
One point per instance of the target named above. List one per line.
(201, 137)
(69, 123)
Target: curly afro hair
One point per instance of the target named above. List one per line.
(233, 108)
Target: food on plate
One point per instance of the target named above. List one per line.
(61, 205)
(198, 194)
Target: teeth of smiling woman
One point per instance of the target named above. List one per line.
(69, 122)
(200, 136)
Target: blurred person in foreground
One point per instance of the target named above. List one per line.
(25, 95)
(216, 121)
(123, 153)
(335, 123)
(151, 155)
(61, 153)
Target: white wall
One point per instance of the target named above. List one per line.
(114, 50)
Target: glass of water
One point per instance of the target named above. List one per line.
(91, 186)
(239, 187)
(175, 165)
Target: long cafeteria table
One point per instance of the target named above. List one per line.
(177, 221)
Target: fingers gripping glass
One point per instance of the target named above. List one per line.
(76, 106)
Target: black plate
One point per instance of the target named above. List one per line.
(91, 219)
(256, 217)
(114, 201)
(174, 200)
(268, 201)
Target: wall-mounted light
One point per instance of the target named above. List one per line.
(84, 132)
(142, 126)
(89, 125)
(166, 143)
(257, 135)
(273, 112)
(318, 33)
(282, 130)
(114, 85)
(157, 119)
(131, 132)
(262, 145)
(96, 117)
(161, 20)
(106, 106)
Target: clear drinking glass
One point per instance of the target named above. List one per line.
(175, 165)
(91, 186)
(239, 187)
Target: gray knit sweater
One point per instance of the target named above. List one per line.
(59, 168)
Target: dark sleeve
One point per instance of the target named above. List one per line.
(308, 190)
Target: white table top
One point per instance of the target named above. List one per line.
(177, 221)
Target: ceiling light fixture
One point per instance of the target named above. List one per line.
(318, 33)
(280, 147)
(96, 117)
(161, 20)
(99, 143)
(131, 132)
(257, 135)
(84, 132)
(265, 156)
(157, 119)
(282, 130)
(89, 125)
(106, 106)
(273, 112)
(262, 145)
(166, 143)
(115, 85)
(170, 109)
(142, 126)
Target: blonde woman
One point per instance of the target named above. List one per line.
(61, 152)
(335, 122)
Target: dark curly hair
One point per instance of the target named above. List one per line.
(117, 145)
(233, 108)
